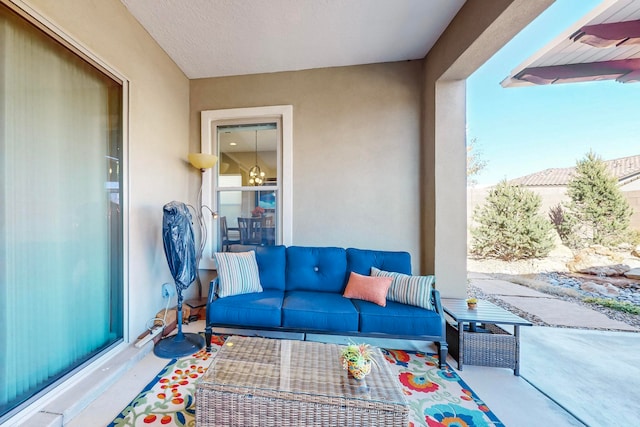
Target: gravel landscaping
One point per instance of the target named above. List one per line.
(552, 276)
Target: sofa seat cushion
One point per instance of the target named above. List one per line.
(255, 309)
(398, 319)
(321, 311)
(316, 269)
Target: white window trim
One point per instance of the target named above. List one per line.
(207, 145)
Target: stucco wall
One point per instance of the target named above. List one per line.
(633, 197)
(356, 133)
(158, 134)
(479, 30)
(631, 186)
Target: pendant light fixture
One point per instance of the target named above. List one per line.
(256, 176)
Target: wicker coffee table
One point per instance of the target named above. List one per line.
(272, 382)
(481, 341)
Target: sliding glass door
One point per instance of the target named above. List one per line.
(61, 279)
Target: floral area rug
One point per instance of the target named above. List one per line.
(437, 398)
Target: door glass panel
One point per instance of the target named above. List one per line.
(61, 220)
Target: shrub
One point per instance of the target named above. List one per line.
(633, 237)
(598, 209)
(562, 223)
(564, 226)
(623, 306)
(509, 225)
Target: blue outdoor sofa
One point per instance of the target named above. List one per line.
(302, 291)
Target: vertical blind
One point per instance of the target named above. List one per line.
(60, 217)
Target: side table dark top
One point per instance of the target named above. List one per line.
(485, 312)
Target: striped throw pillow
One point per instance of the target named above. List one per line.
(412, 290)
(237, 273)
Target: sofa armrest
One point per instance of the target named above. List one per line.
(443, 347)
(435, 301)
(213, 290)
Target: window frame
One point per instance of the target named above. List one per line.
(210, 119)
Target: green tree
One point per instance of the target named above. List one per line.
(475, 164)
(510, 226)
(597, 206)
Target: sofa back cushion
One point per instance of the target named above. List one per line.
(316, 269)
(361, 260)
(271, 265)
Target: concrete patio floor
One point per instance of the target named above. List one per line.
(514, 401)
(590, 371)
(593, 374)
(569, 377)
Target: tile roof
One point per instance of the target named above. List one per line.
(622, 168)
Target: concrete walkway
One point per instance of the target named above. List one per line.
(592, 372)
(550, 309)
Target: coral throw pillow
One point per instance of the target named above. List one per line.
(372, 289)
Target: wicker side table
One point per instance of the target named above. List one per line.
(474, 337)
(271, 382)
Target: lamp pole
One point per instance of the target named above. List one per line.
(203, 162)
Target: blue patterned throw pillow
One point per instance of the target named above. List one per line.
(412, 290)
(237, 273)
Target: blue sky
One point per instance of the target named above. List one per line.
(527, 129)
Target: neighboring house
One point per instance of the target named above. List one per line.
(625, 169)
(551, 185)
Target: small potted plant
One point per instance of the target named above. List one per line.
(357, 358)
(472, 303)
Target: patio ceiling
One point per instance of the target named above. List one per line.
(213, 38)
(603, 45)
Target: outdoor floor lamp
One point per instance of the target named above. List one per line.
(203, 162)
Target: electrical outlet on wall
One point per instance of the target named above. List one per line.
(168, 290)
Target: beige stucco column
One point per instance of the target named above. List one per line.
(479, 30)
(450, 170)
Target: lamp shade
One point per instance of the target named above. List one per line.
(202, 160)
